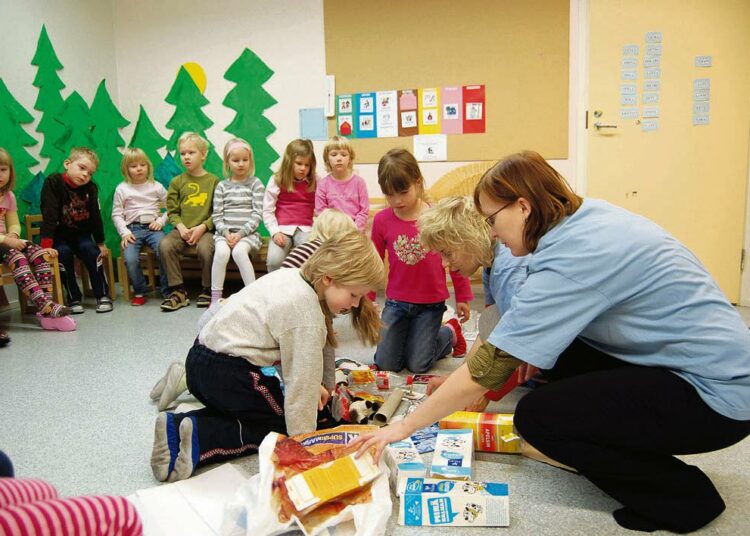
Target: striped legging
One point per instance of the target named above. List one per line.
(31, 507)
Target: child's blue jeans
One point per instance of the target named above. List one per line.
(132, 255)
(83, 247)
(412, 336)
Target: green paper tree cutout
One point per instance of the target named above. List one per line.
(148, 139)
(75, 121)
(188, 117)
(167, 170)
(107, 122)
(15, 139)
(31, 195)
(250, 100)
(49, 101)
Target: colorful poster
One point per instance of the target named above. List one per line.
(386, 121)
(408, 124)
(451, 105)
(474, 112)
(430, 148)
(365, 125)
(345, 115)
(429, 112)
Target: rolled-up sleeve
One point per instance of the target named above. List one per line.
(490, 367)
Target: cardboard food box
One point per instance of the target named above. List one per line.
(404, 461)
(331, 480)
(454, 452)
(493, 432)
(428, 502)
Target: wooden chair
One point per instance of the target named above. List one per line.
(6, 278)
(191, 268)
(152, 271)
(33, 229)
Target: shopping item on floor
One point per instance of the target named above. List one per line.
(404, 462)
(454, 452)
(493, 432)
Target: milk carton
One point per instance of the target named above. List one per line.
(428, 502)
(404, 461)
(454, 451)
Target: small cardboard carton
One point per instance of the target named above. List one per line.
(404, 461)
(493, 432)
(454, 452)
(452, 503)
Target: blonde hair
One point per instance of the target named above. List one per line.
(349, 260)
(454, 225)
(398, 171)
(331, 222)
(284, 177)
(338, 143)
(527, 174)
(192, 137)
(232, 145)
(83, 152)
(7, 160)
(134, 154)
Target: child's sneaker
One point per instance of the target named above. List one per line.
(459, 342)
(187, 458)
(204, 298)
(138, 300)
(165, 450)
(158, 387)
(103, 304)
(177, 299)
(76, 308)
(173, 387)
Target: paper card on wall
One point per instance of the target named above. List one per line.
(652, 73)
(651, 61)
(653, 50)
(431, 147)
(650, 98)
(346, 115)
(703, 61)
(451, 104)
(386, 120)
(345, 125)
(629, 75)
(474, 112)
(365, 125)
(701, 94)
(701, 107)
(627, 89)
(653, 37)
(429, 111)
(628, 113)
(650, 125)
(702, 83)
(651, 112)
(313, 124)
(700, 119)
(626, 100)
(407, 112)
(631, 50)
(652, 85)
(629, 63)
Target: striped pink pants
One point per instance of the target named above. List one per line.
(31, 507)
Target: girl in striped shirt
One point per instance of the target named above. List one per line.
(238, 206)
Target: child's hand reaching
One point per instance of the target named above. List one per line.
(324, 396)
(280, 239)
(462, 311)
(127, 240)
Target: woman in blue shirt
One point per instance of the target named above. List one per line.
(647, 358)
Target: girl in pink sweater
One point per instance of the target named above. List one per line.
(342, 189)
(415, 296)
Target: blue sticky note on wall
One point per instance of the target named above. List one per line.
(313, 124)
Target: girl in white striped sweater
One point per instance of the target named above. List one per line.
(238, 206)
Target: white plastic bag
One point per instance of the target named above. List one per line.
(251, 513)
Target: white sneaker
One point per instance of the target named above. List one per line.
(172, 387)
(75, 308)
(158, 387)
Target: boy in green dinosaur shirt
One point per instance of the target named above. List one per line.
(189, 206)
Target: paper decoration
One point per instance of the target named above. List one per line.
(147, 138)
(345, 115)
(408, 123)
(31, 196)
(187, 99)
(386, 120)
(312, 124)
(75, 119)
(452, 111)
(474, 113)
(14, 138)
(167, 170)
(429, 111)
(431, 147)
(365, 125)
(49, 101)
(250, 100)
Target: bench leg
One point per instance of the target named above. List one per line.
(124, 279)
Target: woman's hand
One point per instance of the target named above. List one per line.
(280, 239)
(127, 240)
(479, 405)
(463, 312)
(324, 396)
(381, 438)
(526, 372)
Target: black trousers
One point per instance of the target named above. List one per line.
(620, 426)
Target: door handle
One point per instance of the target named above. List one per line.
(599, 125)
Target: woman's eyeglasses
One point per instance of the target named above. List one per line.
(490, 220)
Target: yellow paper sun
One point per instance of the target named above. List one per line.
(197, 73)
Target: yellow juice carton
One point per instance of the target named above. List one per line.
(493, 432)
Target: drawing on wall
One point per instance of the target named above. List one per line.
(69, 121)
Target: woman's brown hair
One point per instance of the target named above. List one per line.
(528, 175)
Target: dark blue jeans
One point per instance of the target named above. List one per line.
(412, 336)
(132, 255)
(83, 247)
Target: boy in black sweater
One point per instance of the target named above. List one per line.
(72, 225)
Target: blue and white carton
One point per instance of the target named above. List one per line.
(404, 461)
(432, 502)
(454, 452)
